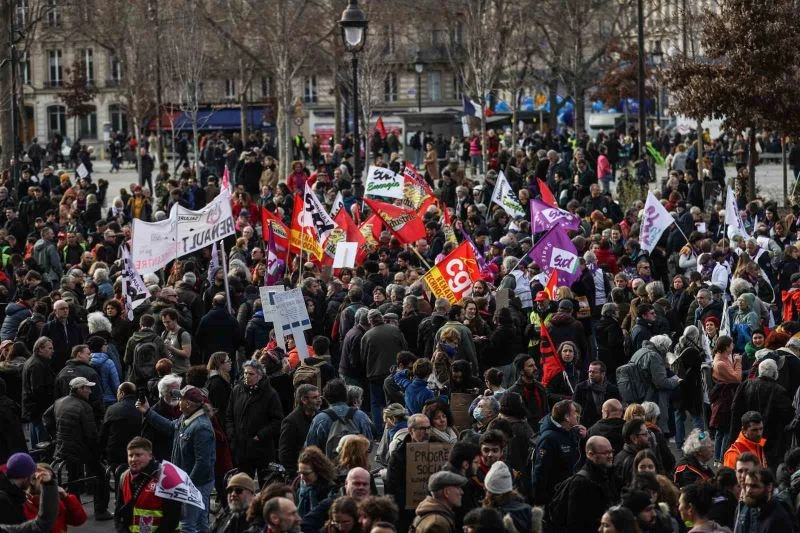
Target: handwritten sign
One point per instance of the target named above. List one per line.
(423, 459)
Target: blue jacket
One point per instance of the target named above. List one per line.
(16, 313)
(194, 447)
(109, 378)
(321, 425)
(417, 393)
(556, 458)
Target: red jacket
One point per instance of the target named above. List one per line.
(70, 511)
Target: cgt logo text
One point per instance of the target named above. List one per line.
(563, 260)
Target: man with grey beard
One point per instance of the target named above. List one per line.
(241, 489)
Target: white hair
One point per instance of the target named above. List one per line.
(740, 286)
(97, 321)
(661, 342)
(768, 368)
(100, 275)
(590, 257)
(150, 279)
(695, 441)
(651, 410)
(166, 383)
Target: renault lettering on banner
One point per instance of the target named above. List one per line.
(198, 229)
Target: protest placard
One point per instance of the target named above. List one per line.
(459, 407)
(423, 459)
(291, 306)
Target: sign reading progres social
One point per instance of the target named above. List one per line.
(154, 244)
(383, 182)
(423, 459)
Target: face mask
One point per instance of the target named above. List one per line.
(449, 350)
(477, 414)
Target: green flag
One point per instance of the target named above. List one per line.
(656, 155)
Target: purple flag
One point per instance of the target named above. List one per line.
(478, 254)
(555, 250)
(544, 217)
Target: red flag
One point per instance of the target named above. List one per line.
(453, 276)
(552, 283)
(226, 179)
(279, 230)
(407, 226)
(370, 230)
(551, 362)
(345, 231)
(380, 127)
(447, 225)
(547, 194)
(302, 237)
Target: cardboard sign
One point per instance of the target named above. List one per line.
(291, 306)
(270, 312)
(459, 406)
(82, 171)
(502, 298)
(423, 459)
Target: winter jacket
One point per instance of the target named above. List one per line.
(426, 334)
(193, 443)
(641, 331)
(12, 437)
(256, 334)
(46, 256)
(610, 344)
(219, 392)
(591, 408)
(70, 511)
(771, 517)
(75, 369)
(62, 341)
(591, 491)
(556, 458)
(322, 423)
(141, 336)
(16, 312)
(12, 500)
(218, 332)
(742, 444)
(659, 381)
(122, 422)
(253, 421)
(294, 429)
(379, 347)
(534, 396)
(770, 399)
(417, 393)
(434, 516)
(109, 379)
(563, 327)
(350, 363)
(37, 388)
(610, 428)
(71, 419)
(689, 470)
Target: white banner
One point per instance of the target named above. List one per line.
(732, 219)
(383, 182)
(338, 203)
(505, 197)
(154, 244)
(132, 284)
(655, 220)
(175, 484)
(315, 216)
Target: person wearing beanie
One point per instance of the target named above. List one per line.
(105, 368)
(240, 490)
(563, 326)
(437, 511)
(379, 347)
(639, 504)
(765, 395)
(71, 421)
(20, 467)
(500, 495)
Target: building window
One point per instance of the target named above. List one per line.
(389, 40)
(54, 62)
(119, 120)
(457, 33)
(87, 56)
(21, 14)
(434, 86)
(116, 71)
(87, 125)
(25, 68)
(458, 88)
(230, 89)
(310, 90)
(390, 87)
(53, 14)
(266, 87)
(57, 119)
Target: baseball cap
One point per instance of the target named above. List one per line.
(76, 383)
(542, 296)
(193, 394)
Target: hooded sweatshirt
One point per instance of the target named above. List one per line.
(109, 379)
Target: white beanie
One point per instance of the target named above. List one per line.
(498, 479)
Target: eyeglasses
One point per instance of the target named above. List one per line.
(237, 490)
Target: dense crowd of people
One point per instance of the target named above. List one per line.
(674, 407)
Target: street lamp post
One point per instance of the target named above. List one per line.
(655, 57)
(419, 67)
(641, 91)
(354, 34)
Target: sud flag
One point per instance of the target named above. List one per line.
(547, 194)
(407, 226)
(655, 221)
(302, 238)
(280, 232)
(551, 362)
(453, 276)
(544, 217)
(556, 251)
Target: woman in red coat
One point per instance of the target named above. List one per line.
(70, 509)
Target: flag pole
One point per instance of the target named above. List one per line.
(414, 249)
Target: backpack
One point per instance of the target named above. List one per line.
(311, 374)
(555, 512)
(340, 428)
(145, 357)
(632, 381)
(178, 336)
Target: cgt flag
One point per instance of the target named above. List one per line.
(544, 217)
(280, 233)
(556, 251)
(407, 226)
(453, 276)
(655, 221)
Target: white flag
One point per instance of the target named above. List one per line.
(505, 197)
(175, 484)
(338, 203)
(314, 216)
(725, 325)
(132, 284)
(655, 221)
(732, 219)
(214, 265)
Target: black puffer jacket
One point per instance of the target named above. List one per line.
(610, 344)
(122, 422)
(254, 412)
(37, 388)
(71, 420)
